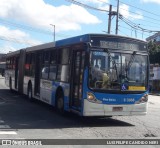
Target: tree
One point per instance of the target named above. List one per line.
(154, 52)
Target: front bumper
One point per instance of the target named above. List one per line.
(94, 109)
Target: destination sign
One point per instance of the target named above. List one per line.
(119, 45)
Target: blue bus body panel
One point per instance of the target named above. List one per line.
(54, 88)
(73, 40)
(118, 99)
(65, 87)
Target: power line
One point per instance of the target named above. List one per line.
(77, 3)
(133, 12)
(139, 8)
(143, 15)
(81, 4)
(29, 28)
(86, 6)
(15, 40)
(140, 28)
(144, 33)
(147, 21)
(128, 22)
(123, 32)
(135, 26)
(24, 27)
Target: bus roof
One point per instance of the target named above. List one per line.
(68, 41)
(13, 53)
(72, 40)
(39, 47)
(76, 39)
(87, 38)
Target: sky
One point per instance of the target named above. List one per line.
(25, 23)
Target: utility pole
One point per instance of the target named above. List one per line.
(117, 16)
(109, 19)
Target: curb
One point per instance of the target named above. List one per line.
(154, 94)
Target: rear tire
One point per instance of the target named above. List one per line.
(29, 93)
(60, 103)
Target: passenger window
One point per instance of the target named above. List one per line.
(45, 67)
(52, 72)
(45, 71)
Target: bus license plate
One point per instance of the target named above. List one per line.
(116, 109)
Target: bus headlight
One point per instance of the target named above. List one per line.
(143, 99)
(92, 98)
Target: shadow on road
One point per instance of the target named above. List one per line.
(18, 113)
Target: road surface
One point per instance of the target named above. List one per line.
(20, 118)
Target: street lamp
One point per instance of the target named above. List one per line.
(54, 33)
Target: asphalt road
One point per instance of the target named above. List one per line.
(20, 118)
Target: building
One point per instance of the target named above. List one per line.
(154, 82)
(2, 57)
(154, 38)
(2, 64)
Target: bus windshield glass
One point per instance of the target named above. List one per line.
(118, 71)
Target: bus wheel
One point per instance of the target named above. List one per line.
(60, 104)
(29, 93)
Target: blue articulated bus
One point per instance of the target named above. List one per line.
(91, 74)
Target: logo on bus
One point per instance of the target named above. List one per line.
(109, 99)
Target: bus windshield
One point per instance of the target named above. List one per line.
(118, 71)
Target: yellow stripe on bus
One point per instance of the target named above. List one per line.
(136, 88)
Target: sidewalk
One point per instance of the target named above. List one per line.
(156, 93)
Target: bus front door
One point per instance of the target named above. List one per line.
(77, 78)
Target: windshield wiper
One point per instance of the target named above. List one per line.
(130, 62)
(113, 61)
(131, 59)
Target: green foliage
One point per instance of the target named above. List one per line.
(154, 52)
(153, 48)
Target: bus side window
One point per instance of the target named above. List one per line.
(45, 65)
(8, 63)
(33, 64)
(52, 65)
(27, 64)
(52, 72)
(63, 64)
(45, 71)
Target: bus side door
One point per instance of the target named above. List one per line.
(16, 71)
(78, 57)
(38, 64)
